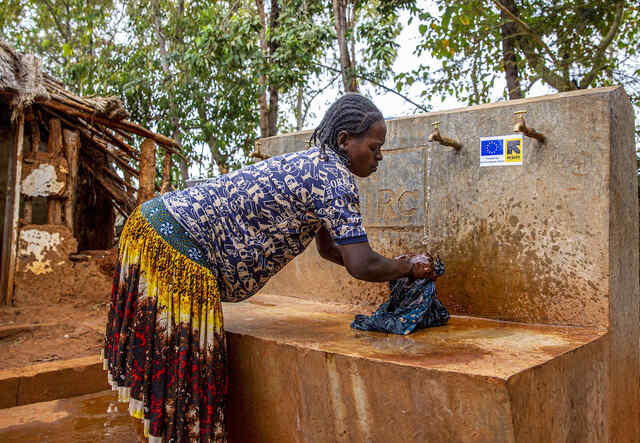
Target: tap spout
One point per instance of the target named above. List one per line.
(257, 154)
(521, 126)
(446, 141)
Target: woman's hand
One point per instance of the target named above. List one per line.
(421, 265)
(421, 270)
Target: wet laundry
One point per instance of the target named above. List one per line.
(412, 305)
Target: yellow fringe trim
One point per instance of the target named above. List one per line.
(181, 285)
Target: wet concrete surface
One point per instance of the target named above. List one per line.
(467, 345)
(88, 418)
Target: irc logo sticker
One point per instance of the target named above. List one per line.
(503, 150)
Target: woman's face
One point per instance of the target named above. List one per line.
(364, 149)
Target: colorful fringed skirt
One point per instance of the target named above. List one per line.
(165, 348)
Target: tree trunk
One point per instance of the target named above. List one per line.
(262, 99)
(346, 63)
(508, 31)
(299, 103)
(216, 156)
(166, 172)
(162, 46)
(268, 99)
(274, 17)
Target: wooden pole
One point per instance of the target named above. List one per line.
(54, 142)
(35, 138)
(147, 175)
(12, 215)
(120, 197)
(72, 149)
(166, 172)
(117, 124)
(55, 147)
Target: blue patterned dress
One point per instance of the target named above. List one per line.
(252, 222)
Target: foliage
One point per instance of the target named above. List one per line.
(191, 69)
(565, 45)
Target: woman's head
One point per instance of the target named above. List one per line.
(354, 128)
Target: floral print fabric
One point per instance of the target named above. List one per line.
(253, 221)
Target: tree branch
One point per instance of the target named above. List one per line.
(386, 88)
(55, 20)
(527, 29)
(596, 66)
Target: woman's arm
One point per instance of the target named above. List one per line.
(327, 248)
(364, 263)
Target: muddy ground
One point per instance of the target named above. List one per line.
(46, 323)
(61, 329)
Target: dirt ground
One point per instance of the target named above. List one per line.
(38, 329)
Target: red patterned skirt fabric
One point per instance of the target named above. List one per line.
(165, 348)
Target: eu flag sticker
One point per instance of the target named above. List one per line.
(501, 150)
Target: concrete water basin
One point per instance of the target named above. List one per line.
(299, 373)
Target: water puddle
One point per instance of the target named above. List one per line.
(88, 418)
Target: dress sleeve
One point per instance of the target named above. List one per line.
(339, 210)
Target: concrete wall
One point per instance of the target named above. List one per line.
(528, 243)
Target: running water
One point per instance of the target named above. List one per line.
(427, 196)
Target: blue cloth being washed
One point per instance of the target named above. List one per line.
(412, 305)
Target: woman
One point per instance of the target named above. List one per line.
(183, 253)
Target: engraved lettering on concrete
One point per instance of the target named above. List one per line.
(385, 202)
(406, 206)
(393, 197)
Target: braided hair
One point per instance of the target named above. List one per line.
(353, 113)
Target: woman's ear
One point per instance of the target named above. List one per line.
(342, 137)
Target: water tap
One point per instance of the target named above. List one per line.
(521, 126)
(446, 141)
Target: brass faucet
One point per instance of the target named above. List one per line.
(256, 152)
(446, 141)
(521, 126)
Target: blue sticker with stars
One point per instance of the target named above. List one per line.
(503, 150)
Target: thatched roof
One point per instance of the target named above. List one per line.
(101, 121)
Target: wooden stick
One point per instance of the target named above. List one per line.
(12, 216)
(54, 211)
(120, 197)
(166, 172)
(94, 134)
(122, 124)
(72, 149)
(147, 171)
(115, 141)
(128, 187)
(54, 143)
(35, 138)
(118, 179)
(122, 163)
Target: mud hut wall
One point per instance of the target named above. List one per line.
(528, 243)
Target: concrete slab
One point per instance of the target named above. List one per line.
(299, 373)
(52, 380)
(89, 418)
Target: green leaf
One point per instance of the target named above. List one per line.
(67, 51)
